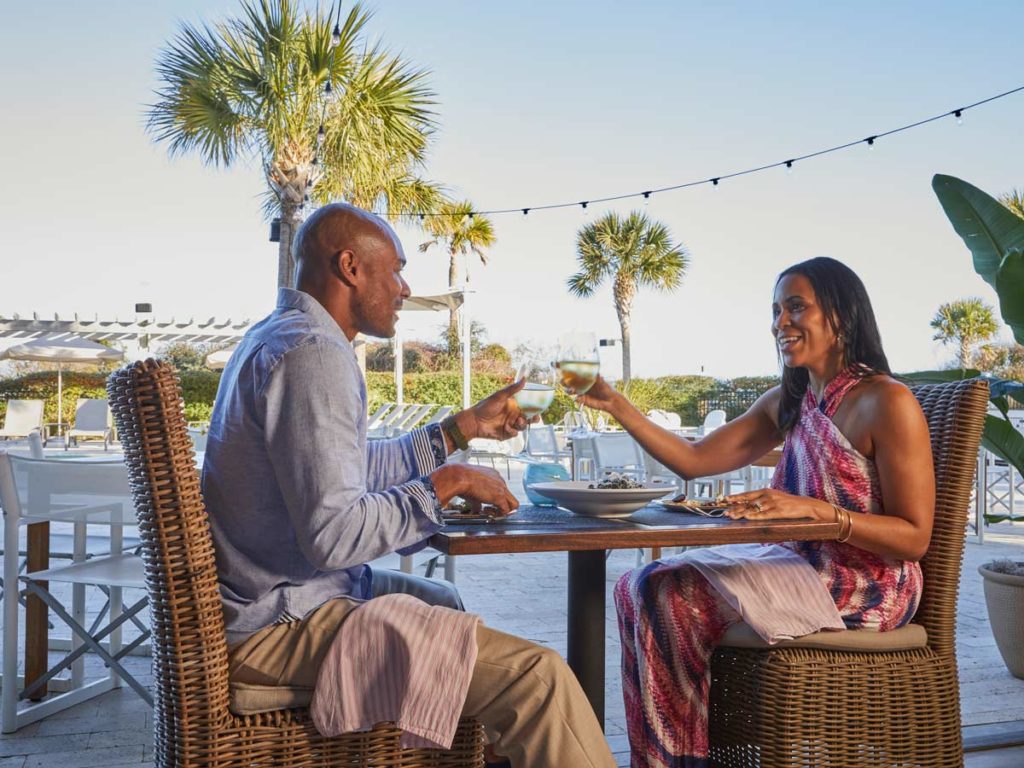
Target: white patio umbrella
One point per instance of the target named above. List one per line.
(61, 349)
(218, 359)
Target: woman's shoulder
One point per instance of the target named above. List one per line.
(881, 396)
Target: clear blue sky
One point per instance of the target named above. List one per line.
(545, 102)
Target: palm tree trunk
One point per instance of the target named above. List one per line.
(623, 292)
(965, 351)
(290, 220)
(624, 327)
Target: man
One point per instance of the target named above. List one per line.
(299, 501)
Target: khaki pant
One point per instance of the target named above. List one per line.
(527, 699)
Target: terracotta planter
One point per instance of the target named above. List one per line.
(1004, 596)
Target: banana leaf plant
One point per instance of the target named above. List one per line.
(995, 237)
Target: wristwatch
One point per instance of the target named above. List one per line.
(451, 428)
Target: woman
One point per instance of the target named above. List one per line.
(857, 452)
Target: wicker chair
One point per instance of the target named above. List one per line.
(853, 704)
(192, 724)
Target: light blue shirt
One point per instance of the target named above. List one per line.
(298, 501)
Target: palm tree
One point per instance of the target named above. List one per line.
(461, 232)
(632, 252)
(327, 115)
(1014, 200)
(964, 322)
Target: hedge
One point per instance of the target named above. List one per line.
(198, 387)
(689, 396)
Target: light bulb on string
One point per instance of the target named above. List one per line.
(321, 134)
(647, 199)
(871, 141)
(714, 182)
(336, 35)
(959, 115)
(328, 91)
(789, 167)
(586, 211)
(526, 214)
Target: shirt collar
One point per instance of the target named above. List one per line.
(290, 298)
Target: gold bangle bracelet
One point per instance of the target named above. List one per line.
(846, 529)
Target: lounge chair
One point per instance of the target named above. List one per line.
(92, 420)
(23, 418)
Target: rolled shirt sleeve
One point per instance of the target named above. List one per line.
(348, 503)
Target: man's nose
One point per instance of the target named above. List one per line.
(406, 290)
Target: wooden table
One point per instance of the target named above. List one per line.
(540, 529)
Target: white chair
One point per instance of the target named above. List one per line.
(82, 493)
(439, 414)
(374, 420)
(413, 418)
(721, 483)
(666, 419)
(713, 421)
(542, 444)
(23, 418)
(618, 452)
(92, 420)
(389, 423)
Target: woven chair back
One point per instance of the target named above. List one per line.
(956, 413)
(189, 646)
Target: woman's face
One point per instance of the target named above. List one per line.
(800, 328)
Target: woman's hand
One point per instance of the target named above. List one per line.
(601, 396)
(770, 504)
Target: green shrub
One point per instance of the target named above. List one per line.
(198, 411)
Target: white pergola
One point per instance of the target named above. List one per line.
(140, 328)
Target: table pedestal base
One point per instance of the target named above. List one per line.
(586, 624)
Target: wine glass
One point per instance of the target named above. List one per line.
(538, 393)
(577, 363)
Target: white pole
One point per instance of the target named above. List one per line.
(466, 346)
(399, 369)
(60, 398)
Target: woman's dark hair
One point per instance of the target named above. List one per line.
(844, 301)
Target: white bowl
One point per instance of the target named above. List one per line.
(577, 496)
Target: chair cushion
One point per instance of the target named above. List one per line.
(249, 699)
(905, 638)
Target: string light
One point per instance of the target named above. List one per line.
(583, 205)
(714, 181)
(336, 36)
(526, 211)
(321, 134)
(327, 90)
(647, 198)
(789, 167)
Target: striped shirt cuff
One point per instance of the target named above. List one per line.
(422, 490)
(428, 448)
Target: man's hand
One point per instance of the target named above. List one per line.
(477, 485)
(497, 417)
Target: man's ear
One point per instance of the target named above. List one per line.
(344, 266)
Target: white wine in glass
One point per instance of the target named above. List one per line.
(578, 362)
(535, 398)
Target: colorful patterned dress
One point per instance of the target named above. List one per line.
(670, 618)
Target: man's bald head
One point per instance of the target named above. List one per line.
(351, 261)
(328, 231)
